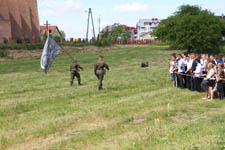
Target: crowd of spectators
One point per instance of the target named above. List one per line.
(199, 73)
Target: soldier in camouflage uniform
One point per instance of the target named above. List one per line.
(74, 69)
(99, 71)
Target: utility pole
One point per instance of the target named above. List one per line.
(99, 22)
(92, 20)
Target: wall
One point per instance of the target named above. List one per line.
(19, 18)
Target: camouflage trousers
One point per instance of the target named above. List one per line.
(100, 79)
(73, 75)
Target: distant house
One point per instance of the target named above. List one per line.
(145, 27)
(111, 27)
(131, 30)
(53, 31)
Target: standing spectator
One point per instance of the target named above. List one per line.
(219, 59)
(193, 68)
(172, 69)
(197, 75)
(211, 80)
(180, 71)
(219, 80)
(189, 62)
(203, 63)
(212, 59)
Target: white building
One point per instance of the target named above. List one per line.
(145, 27)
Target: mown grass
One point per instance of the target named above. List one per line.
(138, 109)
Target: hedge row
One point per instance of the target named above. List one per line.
(15, 46)
(12, 46)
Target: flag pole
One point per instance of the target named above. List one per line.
(67, 53)
(47, 28)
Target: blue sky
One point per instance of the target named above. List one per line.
(70, 15)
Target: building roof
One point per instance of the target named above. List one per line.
(141, 22)
(130, 29)
(115, 25)
(51, 29)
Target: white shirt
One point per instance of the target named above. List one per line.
(203, 63)
(198, 71)
(180, 62)
(172, 65)
(210, 75)
(189, 64)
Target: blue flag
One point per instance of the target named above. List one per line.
(50, 51)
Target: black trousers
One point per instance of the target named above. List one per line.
(220, 90)
(198, 82)
(223, 88)
(188, 80)
(181, 82)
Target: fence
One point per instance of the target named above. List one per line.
(77, 40)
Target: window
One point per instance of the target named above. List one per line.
(50, 31)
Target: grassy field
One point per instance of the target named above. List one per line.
(137, 109)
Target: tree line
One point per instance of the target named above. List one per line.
(194, 29)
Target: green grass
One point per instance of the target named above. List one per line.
(137, 110)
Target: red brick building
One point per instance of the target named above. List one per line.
(19, 18)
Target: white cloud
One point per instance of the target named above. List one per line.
(54, 7)
(66, 14)
(218, 9)
(131, 7)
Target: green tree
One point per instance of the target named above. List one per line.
(193, 29)
(120, 31)
(63, 34)
(105, 38)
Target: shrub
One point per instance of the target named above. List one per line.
(3, 54)
(16, 46)
(27, 39)
(19, 41)
(58, 39)
(105, 42)
(5, 40)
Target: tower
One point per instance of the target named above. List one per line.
(19, 18)
(5, 25)
(34, 19)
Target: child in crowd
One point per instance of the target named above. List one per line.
(172, 69)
